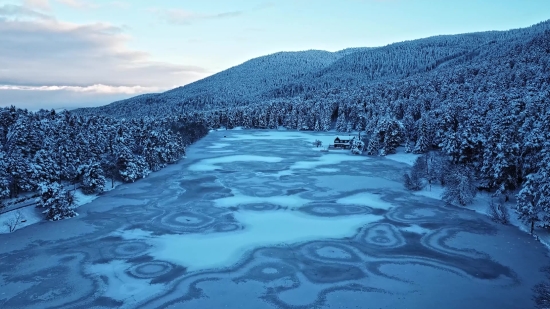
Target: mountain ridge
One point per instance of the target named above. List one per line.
(292, 74)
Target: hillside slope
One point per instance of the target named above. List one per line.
(308, 74)
(235, 86)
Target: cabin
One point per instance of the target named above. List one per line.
(342, 143)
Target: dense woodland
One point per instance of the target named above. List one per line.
(49, 152)
(478, 106)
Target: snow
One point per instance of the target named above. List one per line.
(122, 286)
(327, 138)
(403, 157)
(210, 164)
(30, 214)
(83, 199)
(365, 199)
(180, 232)
(218, 145)
(434, 191)
(293, 201)
(327, 159)
(481, 204)
(270, 135)
(211, 251)
(328, 170)
(33, 215)
(352, 183)
(415, 229)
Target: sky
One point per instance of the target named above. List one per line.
(76, 53)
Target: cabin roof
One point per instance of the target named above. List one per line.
(337, 140)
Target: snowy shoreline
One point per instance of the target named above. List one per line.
(480, 204)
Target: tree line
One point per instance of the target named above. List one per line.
(46, 151)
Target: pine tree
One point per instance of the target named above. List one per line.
(59, 203)
(374, 145)
(460, 187)
(423, 143)
(4, 177)
(93, 180)
(393, 135)
(357, 146)
(533, 200)
(131, 167)
(341, 123)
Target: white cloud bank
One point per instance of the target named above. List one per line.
(42, 55)
(98, 88)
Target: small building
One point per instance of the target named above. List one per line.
(342, 143)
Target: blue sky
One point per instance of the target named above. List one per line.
(70, 53)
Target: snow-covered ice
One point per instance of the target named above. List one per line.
(276, 226)
(327, 159)
(366, 199)
(211, 251)
(242, 199)
(212, 164)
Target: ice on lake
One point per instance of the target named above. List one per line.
(260, 219)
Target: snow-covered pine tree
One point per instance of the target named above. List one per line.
(4, 177)
(374, 144)
(533, 200)
(18, 166)
(59, 203)
(460, 186)
(393, 134)
(341, 123)
(357, 146)
(43, 168)
(414, 181)
(93, 180)
(131, 167)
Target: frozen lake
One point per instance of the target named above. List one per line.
(257, 219)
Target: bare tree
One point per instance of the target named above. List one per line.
(14, 221)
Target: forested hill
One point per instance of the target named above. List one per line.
(313, 73)
(236, 86)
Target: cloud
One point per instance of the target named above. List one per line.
(184, 17)
(79, 4)
(120, 4)
(20, 13)
(98, 89)
(68, 97)
(41, 56)
(43, 5)
(46, 52)
(58, 99)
